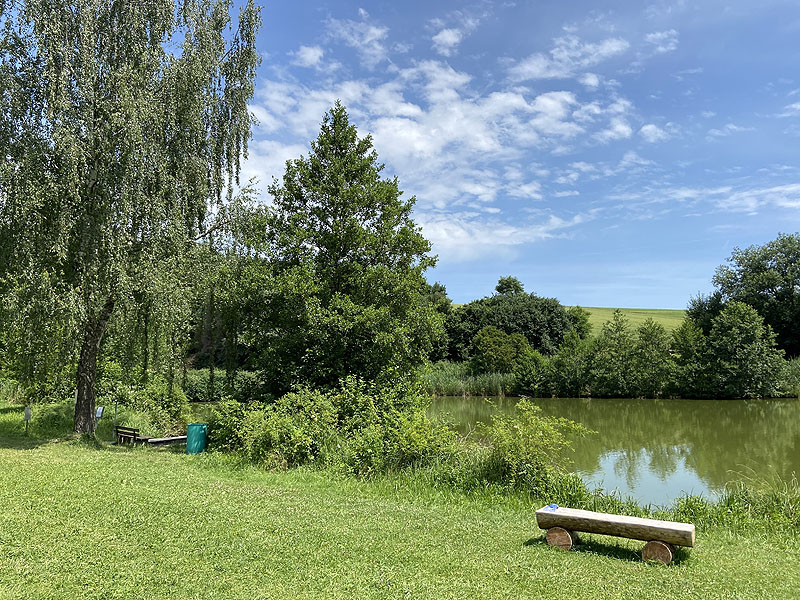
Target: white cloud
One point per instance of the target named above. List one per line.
(724, 198)
(663, 41)
(590, 80)
(446, 41)
(455, 148)
(447, 38)
(363, 36)
(531, 190)
(463, 237)
(631, 160)
(266, 121)
(568, 55)
(791, 110)
(751, 200)
(618, 129)
(727, 130)
(308, 56)
(267, 159)
(653, 133)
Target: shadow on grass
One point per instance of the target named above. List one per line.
(11, 441)
(601, 547)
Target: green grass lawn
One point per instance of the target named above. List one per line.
(79, 520)
(669, 318)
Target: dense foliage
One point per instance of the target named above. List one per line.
(768, 279)
(542, 321)
(494, 351)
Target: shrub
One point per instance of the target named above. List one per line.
(542, 321)
(790, 386)
(52, 420)
(57, 388)
(494, 351)
(294, 431)
(10, 391)
(166, 406)
(569, 370)
(530, 374)
(524, 450)
(360, 427)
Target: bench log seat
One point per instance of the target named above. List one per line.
(561, 524)
(178, 439)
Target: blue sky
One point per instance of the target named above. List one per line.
(606, 154)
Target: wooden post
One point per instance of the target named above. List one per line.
(658, 551)
(558, 537)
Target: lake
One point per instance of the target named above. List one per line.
(658, 450)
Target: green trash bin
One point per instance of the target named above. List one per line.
(196, 438)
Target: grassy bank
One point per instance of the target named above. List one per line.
(86, 521)
(669, 318)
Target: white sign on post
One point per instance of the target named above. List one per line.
(27, 413)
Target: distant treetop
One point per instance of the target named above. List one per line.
(508, 286)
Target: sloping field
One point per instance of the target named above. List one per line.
(669, 318)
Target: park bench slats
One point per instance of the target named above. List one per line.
(128, 435)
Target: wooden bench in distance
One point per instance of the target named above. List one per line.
(128, 435)
(661, 536)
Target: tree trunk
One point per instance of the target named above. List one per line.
(87, 369)
(146, 345)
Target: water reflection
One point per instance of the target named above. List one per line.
(656, 450)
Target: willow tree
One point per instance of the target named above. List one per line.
(123, 125)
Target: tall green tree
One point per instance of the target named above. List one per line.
(123, 124)
(652, 364)
(569, 370)
(347, 292)
(743, 361)
(768, 279)
(613, 371)
(689, 350)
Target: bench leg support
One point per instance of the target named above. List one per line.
(658, 551)
(558, 537)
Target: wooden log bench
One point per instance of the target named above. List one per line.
(166, 441)
(128, 435)
(562, 524)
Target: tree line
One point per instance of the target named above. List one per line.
(129, 246)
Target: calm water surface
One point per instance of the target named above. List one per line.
(658, 450)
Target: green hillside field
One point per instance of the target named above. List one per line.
(669, 318)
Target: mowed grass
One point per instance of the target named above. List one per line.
(669, 318)
(80, 520)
